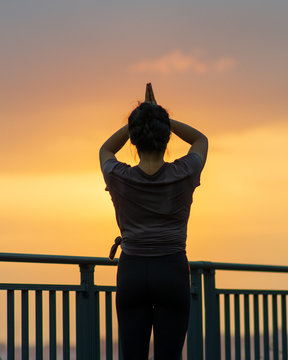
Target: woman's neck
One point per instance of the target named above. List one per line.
(151, 162)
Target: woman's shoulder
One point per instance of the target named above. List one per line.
(113, 165)
(190, 161)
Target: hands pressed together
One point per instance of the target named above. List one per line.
(149, 95)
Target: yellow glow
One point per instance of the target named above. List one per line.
(238, 213)
(55, 196)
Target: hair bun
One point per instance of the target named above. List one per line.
(149, 127)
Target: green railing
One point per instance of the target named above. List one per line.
(204, 337)
(212, 343)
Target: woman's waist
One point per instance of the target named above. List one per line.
(179, 256)
(150, 240)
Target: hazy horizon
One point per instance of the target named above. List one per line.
(70, 75)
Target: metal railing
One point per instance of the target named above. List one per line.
(204, 337)
(212, 343)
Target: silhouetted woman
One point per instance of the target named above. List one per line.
(152, 204)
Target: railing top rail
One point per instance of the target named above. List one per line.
(87, 260)
(56, 259)
(206, 265)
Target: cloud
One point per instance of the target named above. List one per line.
(178, 62)
(224, 64)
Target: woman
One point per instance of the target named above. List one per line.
(152, 204)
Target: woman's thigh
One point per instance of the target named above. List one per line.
(135, 325)
(134, 310)
(171, 291)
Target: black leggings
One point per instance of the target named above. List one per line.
(153, 291)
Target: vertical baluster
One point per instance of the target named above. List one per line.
(218, 335)
(266, 327)
(227, 328)
(256, 328)
(87, 316)
(97, 324)
(39, 325)
(10, 325)
(52, 324)
(109, 335)
(284, 327)
(66, 325)
(275, 327)
(212, 323)
(247, 327)
(237, 328)
(25, 325)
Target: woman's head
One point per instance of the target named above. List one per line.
(149, 128)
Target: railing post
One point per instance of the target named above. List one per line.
(86, 329)
(212, 317)
(195, 327)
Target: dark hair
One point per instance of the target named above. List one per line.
(149, 127)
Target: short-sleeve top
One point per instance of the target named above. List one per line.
(152, 211)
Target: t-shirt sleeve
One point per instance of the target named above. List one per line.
(190, 165)
(112, 166)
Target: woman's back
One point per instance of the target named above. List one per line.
(152, 211)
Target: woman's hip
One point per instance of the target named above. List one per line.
(154, 278)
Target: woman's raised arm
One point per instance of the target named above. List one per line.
(113, 145)
(192, 136)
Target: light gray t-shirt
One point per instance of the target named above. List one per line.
(152, 211)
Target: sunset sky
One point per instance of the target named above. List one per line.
(72, 71)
